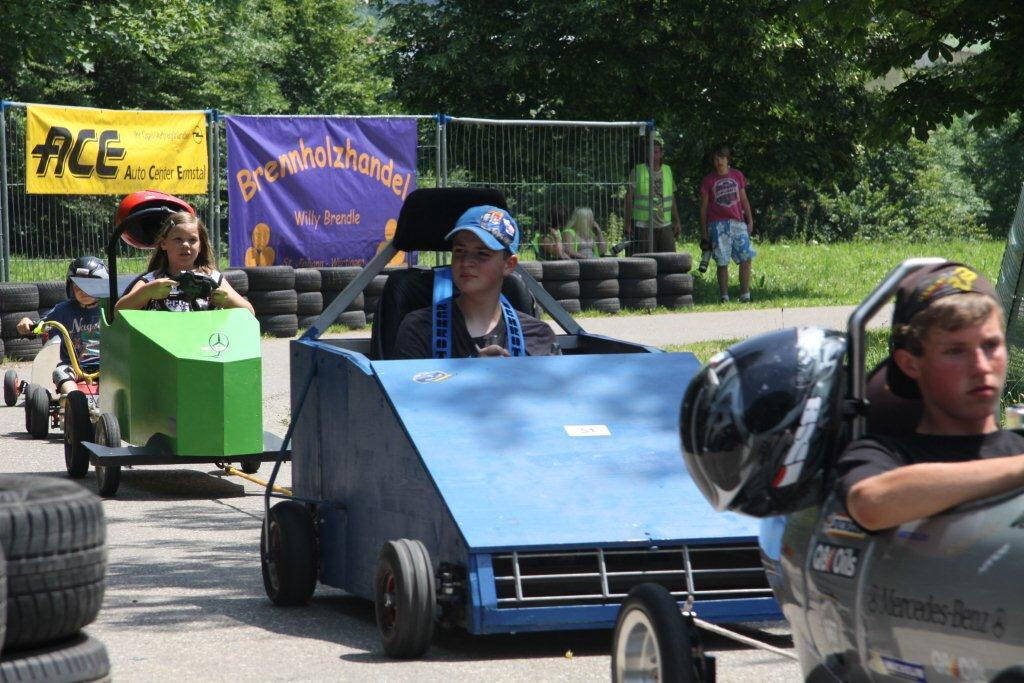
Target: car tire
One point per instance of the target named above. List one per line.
(51, 294)
(634, 289)
(11, 384)
(376, 286)
(53, 534)
(562, 289)
(338, 278)
(288, 554)
(598, 268)
(358, 304)
(279, 324)
(670, 261)
(250, 466)
(275, 301)
(79, 658)
(404, 598)
(599, 289)
(238, 280)
(37, 411)
(355, 320)
(563, 270)
(77, 428)
(642, 303)
(675, 284)
(634, 268)
(309, 303)
(534, 268)
(676, 301)
(9, 322)
(650, 640)
(21, 348)
(604, 305)
(18, 296)
(108, 433)
(308, 280)
(270, 278)
(570, 305)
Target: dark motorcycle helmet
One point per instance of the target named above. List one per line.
(85, 266)
(144, 212)
(761, 421)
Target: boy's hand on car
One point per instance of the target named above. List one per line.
(492, 351)
(25, 326)
(159, 288)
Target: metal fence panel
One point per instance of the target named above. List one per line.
(43, 232)
(1010, 292)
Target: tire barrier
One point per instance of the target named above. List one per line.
(238, 280)
(274, 299)
(561, 279)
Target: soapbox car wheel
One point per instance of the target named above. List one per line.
(107, 433)
(11, 387)
(77, 428)
(650, 641)
(250, 466)
(37, 411)
(404, 598)
(288, 554)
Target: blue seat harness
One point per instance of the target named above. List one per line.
(442, 323)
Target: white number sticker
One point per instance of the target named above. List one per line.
(587, 430)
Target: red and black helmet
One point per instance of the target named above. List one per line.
(143, 212)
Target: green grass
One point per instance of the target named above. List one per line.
(48, 270)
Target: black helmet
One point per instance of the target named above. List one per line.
(761, 420)
(85, 266)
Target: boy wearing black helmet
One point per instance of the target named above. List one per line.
(80, 315)
(949, 350)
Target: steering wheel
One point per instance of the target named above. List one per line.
(195, 285)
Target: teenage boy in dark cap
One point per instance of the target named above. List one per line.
(948, 349)
(479, 321)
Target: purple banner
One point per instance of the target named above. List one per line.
(316, 191)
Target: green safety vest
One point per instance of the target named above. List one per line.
(641, 208)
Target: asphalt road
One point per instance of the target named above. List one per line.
(185, 598)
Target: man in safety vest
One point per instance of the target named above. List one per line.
(655, 192)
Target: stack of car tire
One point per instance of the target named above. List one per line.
(307, 292)
(53, 536)
(638, 283)
(372, 294)
(599, 285)
(675, 282)
(273, 296)
(562, 281)
(19, 300)
(333, 282)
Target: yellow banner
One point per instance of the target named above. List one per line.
(102, 151)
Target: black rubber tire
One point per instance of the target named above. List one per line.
(279, 324)
(238, 280)
(355, 320)
(71, 660)
(276, 301)
(308, 280)
(77, 428)
(11, 384)
(404, 598)
(22, 348)
(674, 301)
(675, 283)
(633, 268)
(250, 466)
(108, 433)
(670, 261)
(270, 278)
(562, 289)
(1, 349)
(534, 268)
(633, 289)
(560, 270)
(3, 599)
(598, 268)
(604, 305)
(376, 285)
(358, 304)
(18, 296)
(37, 408)
(305, 322)
(650, 637)
(54, 537)
(309, 303)
(288, 554)
(9, 322)
(50, 294)
(570, 305)
(337, 278)
(639, 303)
(599, 289)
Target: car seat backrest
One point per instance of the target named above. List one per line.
(411, 289)
(889, 414)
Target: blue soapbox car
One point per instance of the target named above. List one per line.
(521, 494)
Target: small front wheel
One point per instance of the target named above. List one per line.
(77, 428)
(37, 411)
(404, 598)
(108, 433)
(250, 466)
(11, 387)
(650, 641)
(288, 554)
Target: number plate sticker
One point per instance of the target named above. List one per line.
(587, 430)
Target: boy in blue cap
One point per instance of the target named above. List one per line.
(485, 243)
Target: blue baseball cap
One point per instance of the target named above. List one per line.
(495, 227)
